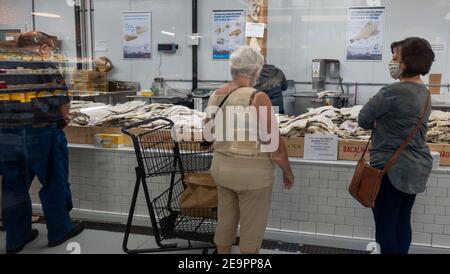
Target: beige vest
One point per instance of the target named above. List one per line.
(239, 164)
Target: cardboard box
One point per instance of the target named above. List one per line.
(109, 140)
(435, 79)
(77, 135)
(89, 76)
(352, 150)
(444, 150)
(91, 87)
(295, 146)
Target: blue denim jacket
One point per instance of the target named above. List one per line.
(396, 109)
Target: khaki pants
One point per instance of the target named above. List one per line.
(250, 209)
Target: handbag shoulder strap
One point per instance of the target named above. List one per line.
(396, 155)
(226, 99)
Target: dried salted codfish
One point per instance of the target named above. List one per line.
(369, 30)
(254, 8)
(351, 113)
(296, 125)
(437, 115)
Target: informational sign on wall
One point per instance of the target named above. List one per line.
(137, 35)
(321, 147)
(365, 30)
(228, 32)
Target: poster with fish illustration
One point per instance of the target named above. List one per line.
(365, 30)
(137, 35)
(228, 32)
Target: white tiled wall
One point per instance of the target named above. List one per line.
(103, 180)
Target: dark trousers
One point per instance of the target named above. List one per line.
(392, 215)
(27, 152)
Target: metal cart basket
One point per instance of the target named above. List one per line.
(159, 153)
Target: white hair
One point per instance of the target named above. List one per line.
(246, 62)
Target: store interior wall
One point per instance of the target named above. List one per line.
(298, 31)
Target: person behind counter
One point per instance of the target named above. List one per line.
(32, 143)
(273, 82)
(243, 173)
(392, 114)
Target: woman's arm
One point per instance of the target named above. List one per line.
(377, 106)
(279, 156)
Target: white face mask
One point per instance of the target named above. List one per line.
(395, 70)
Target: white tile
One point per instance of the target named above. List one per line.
(100, 206)
(327, 210)
(299, 216)
(421, 238)
(444, 220)
(327, 229)
(417, 227)
(328, 175)
(337, 185)
(92, 196)
(290, 206)
(345, 176)
(309, 208)
(316, 200)
(320, 218)
(299, 199)
(282, 197)
(441, 240)
(274, 223)
(355, 221)
(426, 200)
(106, 198)
(281, 214)
(432, 228)
(289, 225)
(437, 191)
(364, 213)
(324, 192)
(352, 203)
(311, 191)
(420, 209)
(447, 229)
(444, 182)
(435, 210)
(307, 227)
(122, 199)
(85, 204)
(337, 202)
(337, 220)
(276, 205)
(423, 218)
(343, 194)
(321, 183)
(342, 211)
(343, 230)
(432, 182)
(442, 201)
(362, 232)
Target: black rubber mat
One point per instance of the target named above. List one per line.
(267, 244)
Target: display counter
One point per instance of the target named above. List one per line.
(102, 181)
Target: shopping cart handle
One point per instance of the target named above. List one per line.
(126, 129)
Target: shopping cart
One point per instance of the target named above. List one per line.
(159, 153)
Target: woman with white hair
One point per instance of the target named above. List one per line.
(242, 169)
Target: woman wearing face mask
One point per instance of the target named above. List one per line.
(392, 114)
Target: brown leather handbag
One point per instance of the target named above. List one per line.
(366, 181)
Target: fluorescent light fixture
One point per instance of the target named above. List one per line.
(324, 18)
(46, 14)
(195, 37)
(167, 33)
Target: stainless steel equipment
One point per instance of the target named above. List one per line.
(322, 69)
(304, 101)
(307, 100)
(201, 97)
